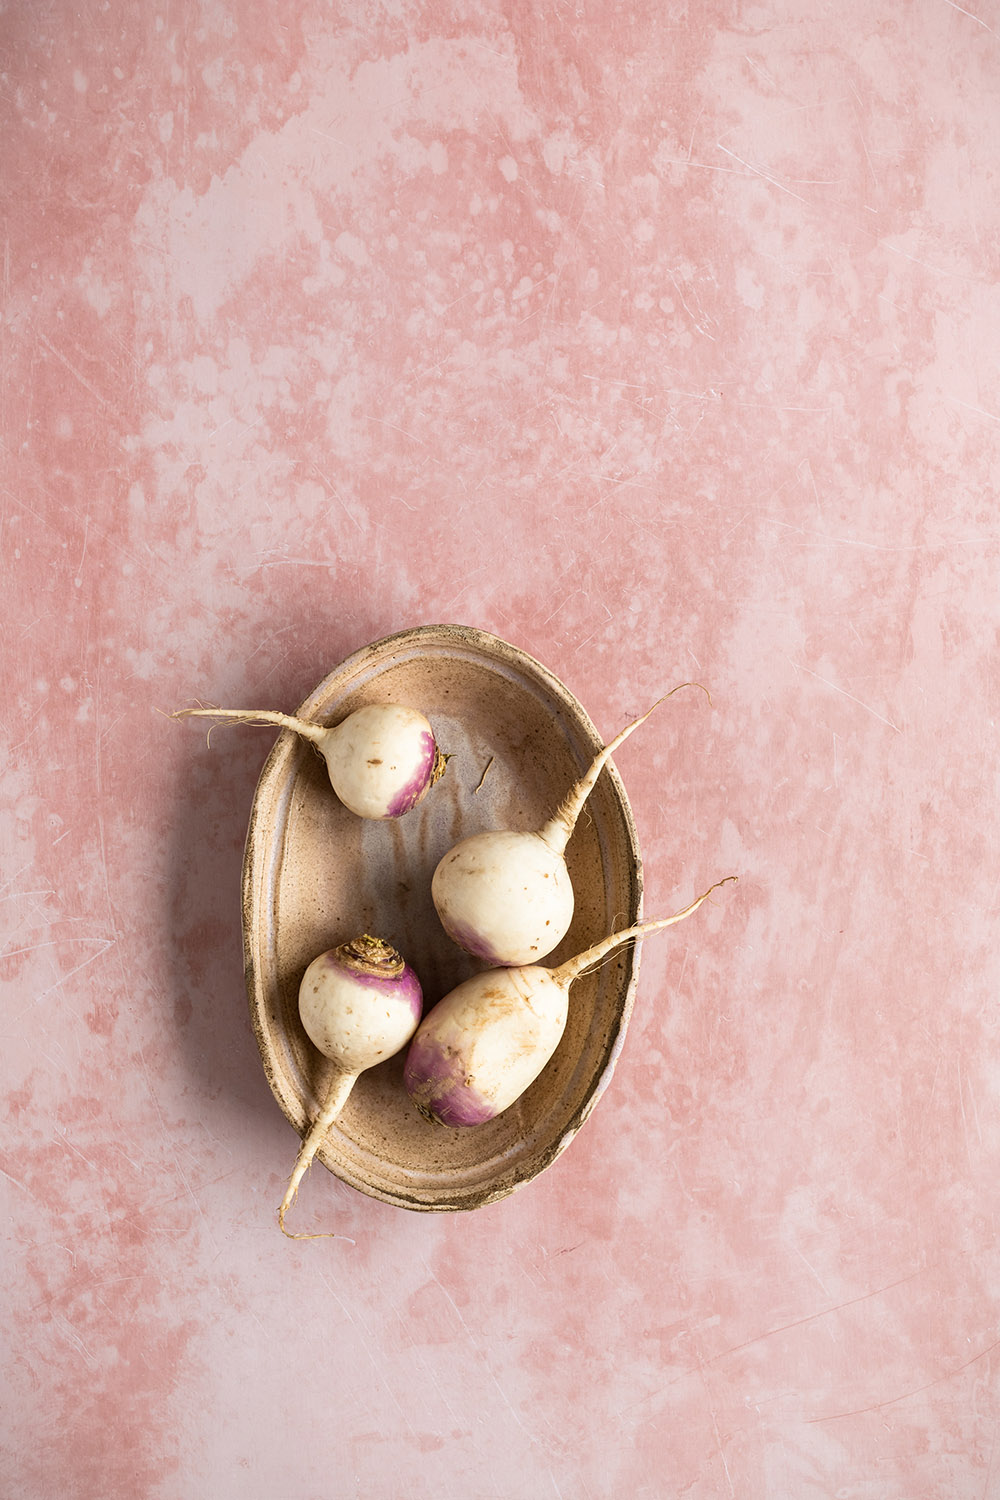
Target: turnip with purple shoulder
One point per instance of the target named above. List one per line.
(485, 1042)
(507, 897)
(382, 759)
(359, 1004)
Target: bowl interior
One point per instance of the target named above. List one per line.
(315, 876)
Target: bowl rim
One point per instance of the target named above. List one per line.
(254, 885)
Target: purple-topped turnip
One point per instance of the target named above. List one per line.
(382, 759)
(507, 897)
(479, 1048)
(359, 1004)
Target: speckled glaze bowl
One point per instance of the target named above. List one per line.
(315, 876)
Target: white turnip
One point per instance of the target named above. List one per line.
(507, 897)
(359, 1004)
(480, 1047)
(382, 759)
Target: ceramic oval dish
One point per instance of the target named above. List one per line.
(315, 875)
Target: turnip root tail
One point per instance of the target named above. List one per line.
(308, 731)
(558, 829)
(574, 967)
(340, 1086)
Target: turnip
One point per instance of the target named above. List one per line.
(359, 1004)
(507, 897)
(480, 1047)
(382, 759)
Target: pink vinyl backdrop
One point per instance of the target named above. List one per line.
(659, 339)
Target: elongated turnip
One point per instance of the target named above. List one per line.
(507, 897)
(382, 759)
(359, 1004)
(480, 1047)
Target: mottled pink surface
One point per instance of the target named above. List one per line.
(661, 340)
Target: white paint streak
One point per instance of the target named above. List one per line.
(978, 19)
(866, 706)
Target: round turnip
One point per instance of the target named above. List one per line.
(480, 1047)
(507, 897)
(382, 759)
(359, 1004)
